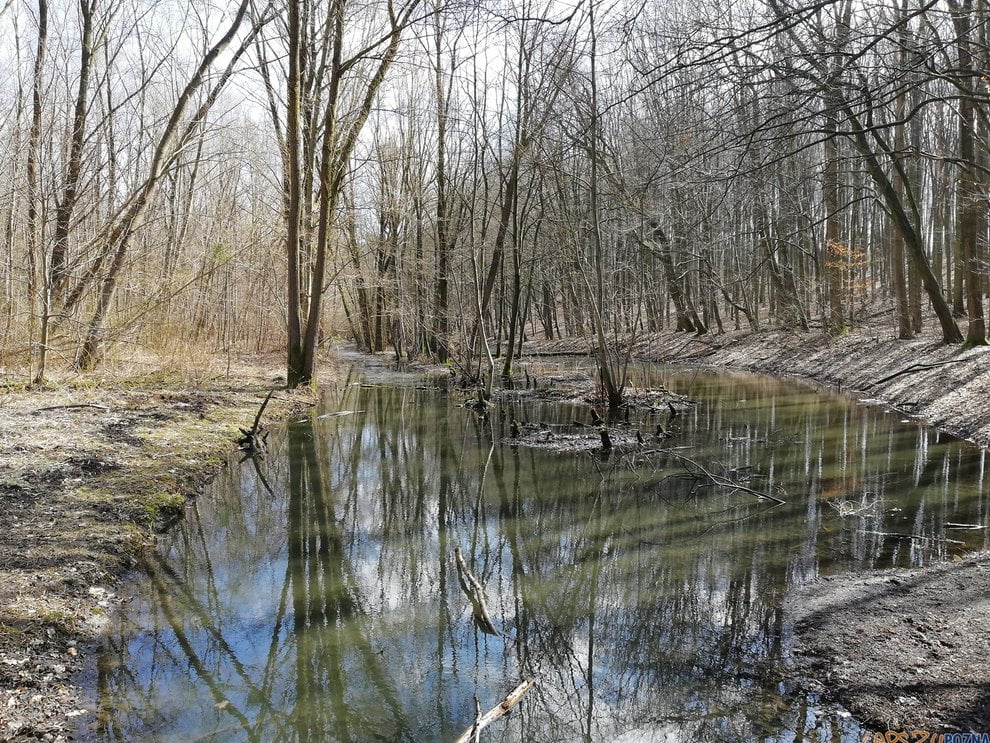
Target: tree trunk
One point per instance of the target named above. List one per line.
(36, 272)
(968, 196)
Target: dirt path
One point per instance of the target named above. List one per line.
(89, 471)
(906, 649)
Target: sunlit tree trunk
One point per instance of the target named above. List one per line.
(897, 267)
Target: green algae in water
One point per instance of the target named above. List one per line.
(649, 607)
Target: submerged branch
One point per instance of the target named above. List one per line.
(895, 535)
(711, 478)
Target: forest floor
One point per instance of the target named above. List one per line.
(91, 468)
(903, 650)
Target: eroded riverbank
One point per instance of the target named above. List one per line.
(946, 386)
(901, 649)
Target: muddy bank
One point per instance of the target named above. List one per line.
(903, 649)
(90, 470)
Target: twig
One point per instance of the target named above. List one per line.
(717, 480)
(910, 536)
(510, 701)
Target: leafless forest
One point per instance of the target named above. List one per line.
(445, 179)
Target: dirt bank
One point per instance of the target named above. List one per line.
(90, 469)
(902, 649)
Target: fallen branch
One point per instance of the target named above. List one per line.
(72, 407)
(338, 414)
(476, 593)
(916, 368)
(677, 355)
(510, 701)
(713, 479)
(476, 738)
(894, 535)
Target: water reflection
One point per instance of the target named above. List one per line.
(649, 609)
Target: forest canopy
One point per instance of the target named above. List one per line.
(447, 179)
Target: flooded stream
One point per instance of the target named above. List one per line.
(315, 598)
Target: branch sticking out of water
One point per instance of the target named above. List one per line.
(475, 591)
(255, 440)
(483, 721)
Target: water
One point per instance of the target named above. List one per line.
(649, 608)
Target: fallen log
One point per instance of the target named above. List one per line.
(475, 592)
(483, 721)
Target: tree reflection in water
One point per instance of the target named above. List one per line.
(649, 610)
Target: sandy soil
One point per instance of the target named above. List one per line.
(902, 650)
(90, 471)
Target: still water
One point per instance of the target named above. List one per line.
(315, 597)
